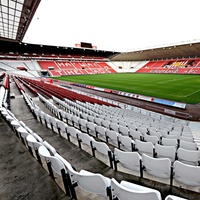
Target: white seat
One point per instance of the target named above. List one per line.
(132, 127)
(84, 116)
(114, 126)
(84, 138)
(42, 116)
(101, 132)
(22, 134)
(69, 118)
(151, 138)
(90, 182)
(123, 130)
(163, 132)
(90, 118)
(186, 138)
(186, 174)
(165, 152)
(172, 136)
(62, 127)
(32, 142)
(72, 132)
(102, 148)
(106, 124)
(173, 197)
(50, 148)
(169, 142)
(97, 121)
(63, 115)
(129, 160)
(112, 137)
(54, 126)
(135, 135)
(47, 119)
(155, 133)
(126, 143)
(145, 147)
(130, 191)
(188, 156)
(75, 121)
(91, 128)
(82, 125)
(142, 130)
(122, 123)
(37, 137)
(188, 145)
(56, 164)
(158, 167)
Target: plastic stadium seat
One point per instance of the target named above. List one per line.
(186, 174)
(90, 182)
(135, 135)
(124, 130)
(126, 143)
(188, 145)
(151, 138)
(158, 167)
(129, 191)
(84, 138)
(188, 156)
(165, 152)
(173, 197)
(129, 160)
(169, 142)
(145, 147)
(102, 148)
(112, 137)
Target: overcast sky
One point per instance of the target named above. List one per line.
(116, 25)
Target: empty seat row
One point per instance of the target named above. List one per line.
(187, 152)
(158, 167)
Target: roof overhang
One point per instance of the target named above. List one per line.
(15, 18)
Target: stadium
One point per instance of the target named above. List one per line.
(82, 122)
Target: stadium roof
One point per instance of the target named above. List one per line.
(15, 18)
(176, 51)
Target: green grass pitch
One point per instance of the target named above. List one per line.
(176, 87)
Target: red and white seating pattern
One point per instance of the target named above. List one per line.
(56, 68)
(178, 66)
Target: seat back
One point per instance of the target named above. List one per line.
(188, 145)
(159, 167)
(112, 137)
(135, 134)
(145, 147)
(151, 138)
(169, 142)
(130, 191)
(114, 126)
(123, 130)
(129, 160)
(186, 138)
(126, 143)
(94, 183)
(173, 197)
(186, 174)
(188, 156)
(165, 152)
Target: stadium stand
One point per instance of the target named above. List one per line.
(178, 66)
(57, 68)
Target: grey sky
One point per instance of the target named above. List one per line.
(116, 25)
